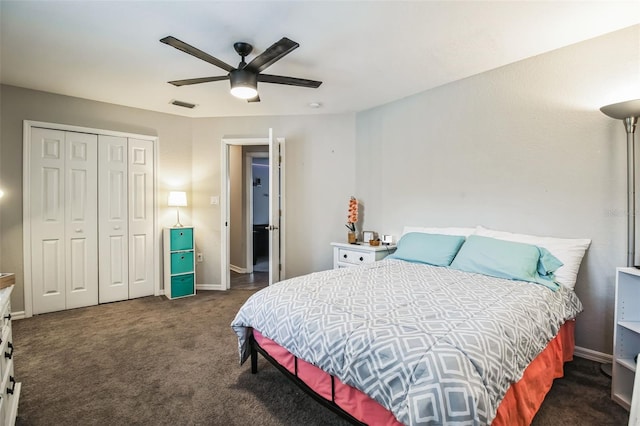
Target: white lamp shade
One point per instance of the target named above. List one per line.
(177, 199)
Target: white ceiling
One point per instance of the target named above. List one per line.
(366, 53)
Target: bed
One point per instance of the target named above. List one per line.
(432, 335)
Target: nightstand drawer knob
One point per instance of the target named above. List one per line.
(9, 354)
(361, 258)
(344, 255)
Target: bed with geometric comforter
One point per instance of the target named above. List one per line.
(431, 344)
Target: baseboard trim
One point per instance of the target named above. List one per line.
(593, 355)
(238, 269)
(207, 287)
(17, 315)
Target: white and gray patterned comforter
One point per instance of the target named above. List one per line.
(433, 345)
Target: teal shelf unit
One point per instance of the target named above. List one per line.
(179, 262)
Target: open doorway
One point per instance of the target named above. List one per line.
(252, 169)
(249, 216)
(257, 191)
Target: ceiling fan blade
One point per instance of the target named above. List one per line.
(276, 51)
(187, 48)
(291, 81)
(198, 80)
(255, 99)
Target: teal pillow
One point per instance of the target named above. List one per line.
(548, 263)
(433, 249)
(503, 259)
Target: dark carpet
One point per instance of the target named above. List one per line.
(153, 361)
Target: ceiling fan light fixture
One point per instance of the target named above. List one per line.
(244, 84)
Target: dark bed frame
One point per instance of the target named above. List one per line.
(330, 404)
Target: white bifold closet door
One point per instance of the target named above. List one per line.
(126, 218)
(113, 218)
(64, 234)
(92, 220)
(141, 246)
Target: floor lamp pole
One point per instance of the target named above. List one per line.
(630, 127)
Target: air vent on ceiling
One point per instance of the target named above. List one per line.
(183, 104)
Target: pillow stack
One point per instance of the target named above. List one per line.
(544, 260)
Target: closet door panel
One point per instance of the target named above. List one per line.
(141, 262)
(47, 175)
(81, 227)
(113, 218)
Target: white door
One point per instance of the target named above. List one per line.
(274, 209)
(141, 244)
(113, 219)
(81, 211)
(64, 251)
(47, 220)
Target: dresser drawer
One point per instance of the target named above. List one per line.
(10, 394)
(355, 257)
(181, 239)
(182, 285)
(6, 351)
(5, 316)
(181, 262)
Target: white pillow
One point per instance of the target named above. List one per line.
(568, 250)
(465, 232)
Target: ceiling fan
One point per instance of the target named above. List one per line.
(244, 78)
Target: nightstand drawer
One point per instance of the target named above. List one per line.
(181, 239)
(181, 262)
(182, 285)
(355, 257)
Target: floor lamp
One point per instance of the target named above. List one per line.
(628, 112)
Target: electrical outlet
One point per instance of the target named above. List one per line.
(199, 257)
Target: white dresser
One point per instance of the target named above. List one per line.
(348, 255)
(10, 387)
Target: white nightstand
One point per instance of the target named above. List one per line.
(348, 255)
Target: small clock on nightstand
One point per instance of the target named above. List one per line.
(348, 255)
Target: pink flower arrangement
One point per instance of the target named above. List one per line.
(352, 218)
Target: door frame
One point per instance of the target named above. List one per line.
(27, 125)
(225, 245)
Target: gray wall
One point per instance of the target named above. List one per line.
(522, 148)
(320, 174)
(19, 104)
(319, 178)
